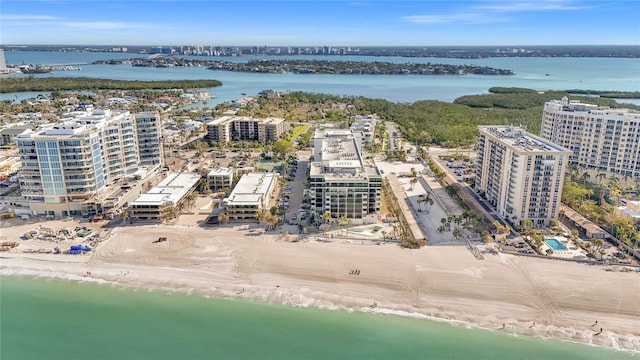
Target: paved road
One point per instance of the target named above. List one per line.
(394, 136)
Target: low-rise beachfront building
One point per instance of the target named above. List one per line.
(250, 195)
(9, 135)
(9, 165)
(169, 193)
(220, 178)
(244, 128)
(600, 138)
(68, 167)
(630, 210)
(520, 174)
(341, 184)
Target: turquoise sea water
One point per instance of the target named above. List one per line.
(56, 319)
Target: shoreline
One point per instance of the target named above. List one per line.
(443, 283)
(511, 329)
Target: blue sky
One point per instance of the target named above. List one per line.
(317, 23)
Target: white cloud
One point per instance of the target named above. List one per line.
(19, 17)
(101, 25)
(538, 5)
(469, 18)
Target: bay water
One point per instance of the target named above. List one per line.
(59, 319)
(540, 73)
(56, 319)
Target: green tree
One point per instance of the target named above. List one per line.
(282, 148)
(413, 182)
(223, 218)
(271, 220)
(326, 217)
(260, 214)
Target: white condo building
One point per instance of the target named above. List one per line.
(170, 192)
(340, 182)
(365, 124)
(66, 167)
(520, 174)
(149, 130)
(250, 195)
(600, 138)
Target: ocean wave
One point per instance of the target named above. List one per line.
(51, 275)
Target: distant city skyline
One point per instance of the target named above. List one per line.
(318, 23)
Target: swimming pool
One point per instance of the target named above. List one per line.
(555, 244)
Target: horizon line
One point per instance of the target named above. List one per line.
(311, 46)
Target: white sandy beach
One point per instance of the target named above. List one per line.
(530, 296)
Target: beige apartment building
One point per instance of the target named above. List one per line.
(519, 174)
(244, 128)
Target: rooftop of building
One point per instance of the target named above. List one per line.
(232, 118)
(343, 149)
(16, 130)
(171, 189)
(79, 122)
(632, 209)
(519, 139)
(348, 171)
(251, 188)
(565, 104)
(340, 155)
(221, 171)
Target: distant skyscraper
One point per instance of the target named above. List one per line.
(3, 63)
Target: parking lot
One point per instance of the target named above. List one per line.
(293, 194)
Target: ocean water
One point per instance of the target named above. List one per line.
(622, 74)
(58, 319)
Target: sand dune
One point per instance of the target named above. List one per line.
(530, 296)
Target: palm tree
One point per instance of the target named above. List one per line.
(124, 215)
(598, 245)
(271, 220)
(614, 186)
(585, 176)
(413, 182)
(169, 212)
(191, 199)
(326, 217)
(420, 201)
(260, 215)
(457, 233)
(223, 218)
(342, 221)
(347, 224)
(429, 201)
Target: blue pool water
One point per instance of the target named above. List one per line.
(555, 244)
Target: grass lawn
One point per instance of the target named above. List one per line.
(299, 130)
